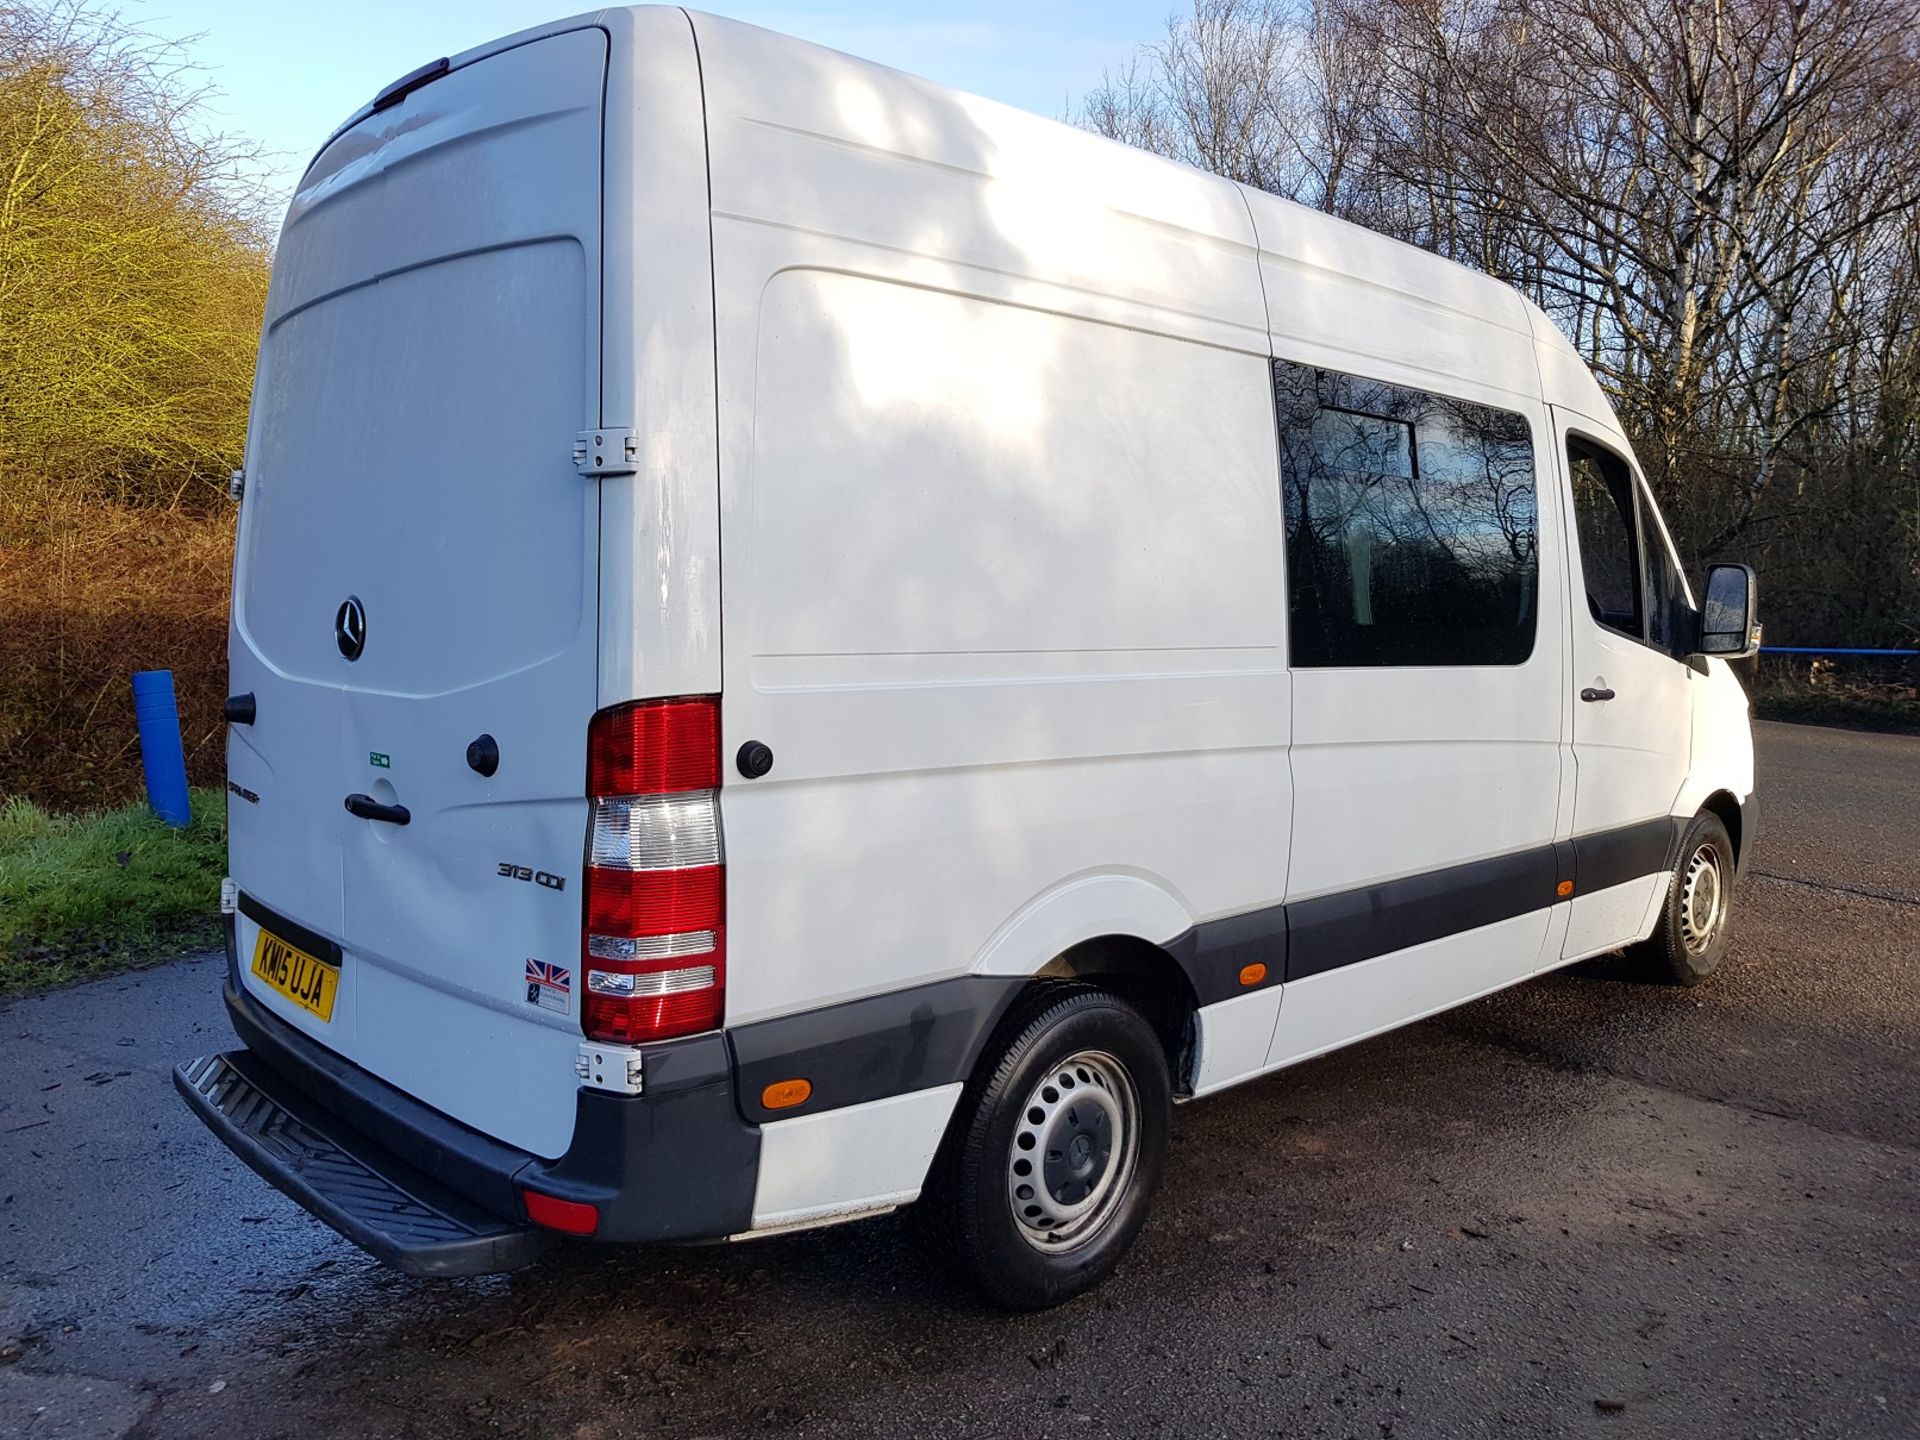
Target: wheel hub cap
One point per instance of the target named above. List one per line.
(1074, 1151)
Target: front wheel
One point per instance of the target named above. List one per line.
(1057, 1151)
(1690, 939)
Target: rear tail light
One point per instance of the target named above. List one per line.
(655, 942)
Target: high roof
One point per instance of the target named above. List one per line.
(1031, 172)
(1038, 168)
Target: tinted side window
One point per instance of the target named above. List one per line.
(1412, 534)
(1605, 517)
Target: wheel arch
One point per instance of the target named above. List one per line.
(1144, 974)
(1118, 930)
(1147, 977)
(1726, 806)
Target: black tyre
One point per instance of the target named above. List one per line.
(1690, 939)
(1056, 1150)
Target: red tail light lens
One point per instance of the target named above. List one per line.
(631, 904)
(654, 948)
(635, 1020)
(659, 747)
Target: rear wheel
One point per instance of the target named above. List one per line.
(1690, 939)
(1057, 1150)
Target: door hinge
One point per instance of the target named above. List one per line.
(236, 485)
(606, 451)
(609, 1067)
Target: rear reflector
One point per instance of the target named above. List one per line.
(569, 1217)
(653, 952)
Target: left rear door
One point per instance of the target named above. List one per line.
(432, 347)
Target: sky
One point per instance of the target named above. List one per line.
(288, 73)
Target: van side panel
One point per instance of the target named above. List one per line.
(967, 704)
(974, 478)
(1001, 531)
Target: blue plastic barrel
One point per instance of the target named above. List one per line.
(160, 752)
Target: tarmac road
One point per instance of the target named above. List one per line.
(1582, 1207)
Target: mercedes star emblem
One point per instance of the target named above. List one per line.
(350, 627)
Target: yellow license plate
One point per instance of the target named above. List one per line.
(306, 980)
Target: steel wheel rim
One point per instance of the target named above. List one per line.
(1703, 899)
(1074, 1152)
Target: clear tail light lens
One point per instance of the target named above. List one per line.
(654, 948)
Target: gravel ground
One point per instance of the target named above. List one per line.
(1582, 1207)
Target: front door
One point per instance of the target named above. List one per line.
(1632, 696)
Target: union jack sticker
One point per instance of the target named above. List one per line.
(549, 986)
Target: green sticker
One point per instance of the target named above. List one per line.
(376, 759)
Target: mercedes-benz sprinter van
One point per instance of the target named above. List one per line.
(803, 642)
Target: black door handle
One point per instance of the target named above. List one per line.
(1590, 694)
(368, 808)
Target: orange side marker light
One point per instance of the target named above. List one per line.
(1563, 889)
(1252, 974)
(785, 1094)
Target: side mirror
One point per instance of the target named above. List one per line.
(1727, 627)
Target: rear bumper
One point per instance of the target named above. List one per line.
(385, 1206)
(434, 1197)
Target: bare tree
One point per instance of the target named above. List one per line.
(1715, 199)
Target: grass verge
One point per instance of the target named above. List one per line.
(1860, 694)
(87, 895)
(1854, 712)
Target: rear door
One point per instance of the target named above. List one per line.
(1632, 718)
(432, 347)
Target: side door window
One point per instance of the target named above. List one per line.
(1412, 525)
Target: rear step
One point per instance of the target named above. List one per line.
(368, 1194)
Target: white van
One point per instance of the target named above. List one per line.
(803, 641)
